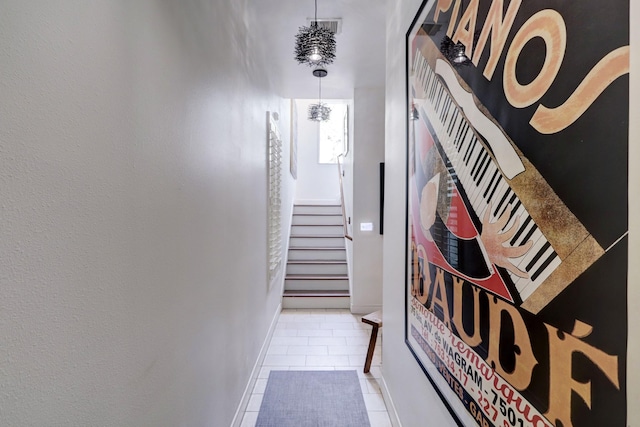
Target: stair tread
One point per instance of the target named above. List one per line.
(337, 205)
(298, 276)
(316, 293)
(316, 214)
(317, 235)
(316, 248)
(316, 261)
(316, 225)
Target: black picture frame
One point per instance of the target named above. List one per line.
(571, 294)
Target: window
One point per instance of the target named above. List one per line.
(334, 134)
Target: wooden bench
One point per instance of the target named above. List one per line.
(375, 320)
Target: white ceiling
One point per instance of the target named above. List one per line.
(360, 47)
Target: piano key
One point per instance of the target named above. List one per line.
(440, 98)
(547, 258)
(496, 174)
(502, 198)
(433, 90)
(448, 102)
(460, 125)
(518, 211)
(446, 117)
(470, 150)
(476, 163)
(522, 262)
(472, 167)
(500, 189)
(440, 112)
(545, 272)
(483, 170)
(524, 224)
(482, 186)
(451, 120)
(510, 202)
(477, 158)
(463, 147)
(433, 93)
(442, 108)
(528, 235)
(483, 178)
(430, 80)
(473, 161)
(452, 124)
(537, 256)
(474, 152)
(463, 135)
(516, 207)
(535, 252)
(493, 189)
(483, 162)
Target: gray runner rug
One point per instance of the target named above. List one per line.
(313, 399)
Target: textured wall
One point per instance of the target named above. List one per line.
(132, 211)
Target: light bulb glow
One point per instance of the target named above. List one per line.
(315, 54)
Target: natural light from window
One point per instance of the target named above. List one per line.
(334, 134)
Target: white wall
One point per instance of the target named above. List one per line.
(368, 152)
(316, 182)
(347, 183)
(412, 395)
(132, 218)
(414, 399)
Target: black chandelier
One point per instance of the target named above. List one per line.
(315, 46)
(319, 112)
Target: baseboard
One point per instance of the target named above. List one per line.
(391, 408)
(317, 202)
(364, 309)
(237, 419)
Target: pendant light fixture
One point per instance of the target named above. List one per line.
(315, 46)
(319, 112)
(454, 52)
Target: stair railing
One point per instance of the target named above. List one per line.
(344, 215)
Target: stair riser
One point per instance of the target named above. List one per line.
(317, 209)
(317, 220)
(309, 254)
(322, 242)
(316, 285)
(316, 302)
(317, 269)
(317, 230)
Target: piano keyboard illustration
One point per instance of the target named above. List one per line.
(473, 166)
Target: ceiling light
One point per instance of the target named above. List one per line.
(454, 52)
(315, 45)
(319, 112)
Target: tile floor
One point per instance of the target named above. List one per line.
(325, 340)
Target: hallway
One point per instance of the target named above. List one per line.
(322, 340)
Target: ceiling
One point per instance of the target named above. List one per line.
(360, 47)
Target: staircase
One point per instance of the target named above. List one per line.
(317, 273)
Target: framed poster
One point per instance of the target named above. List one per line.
(517, 223)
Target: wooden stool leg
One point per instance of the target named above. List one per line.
(372, 346)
